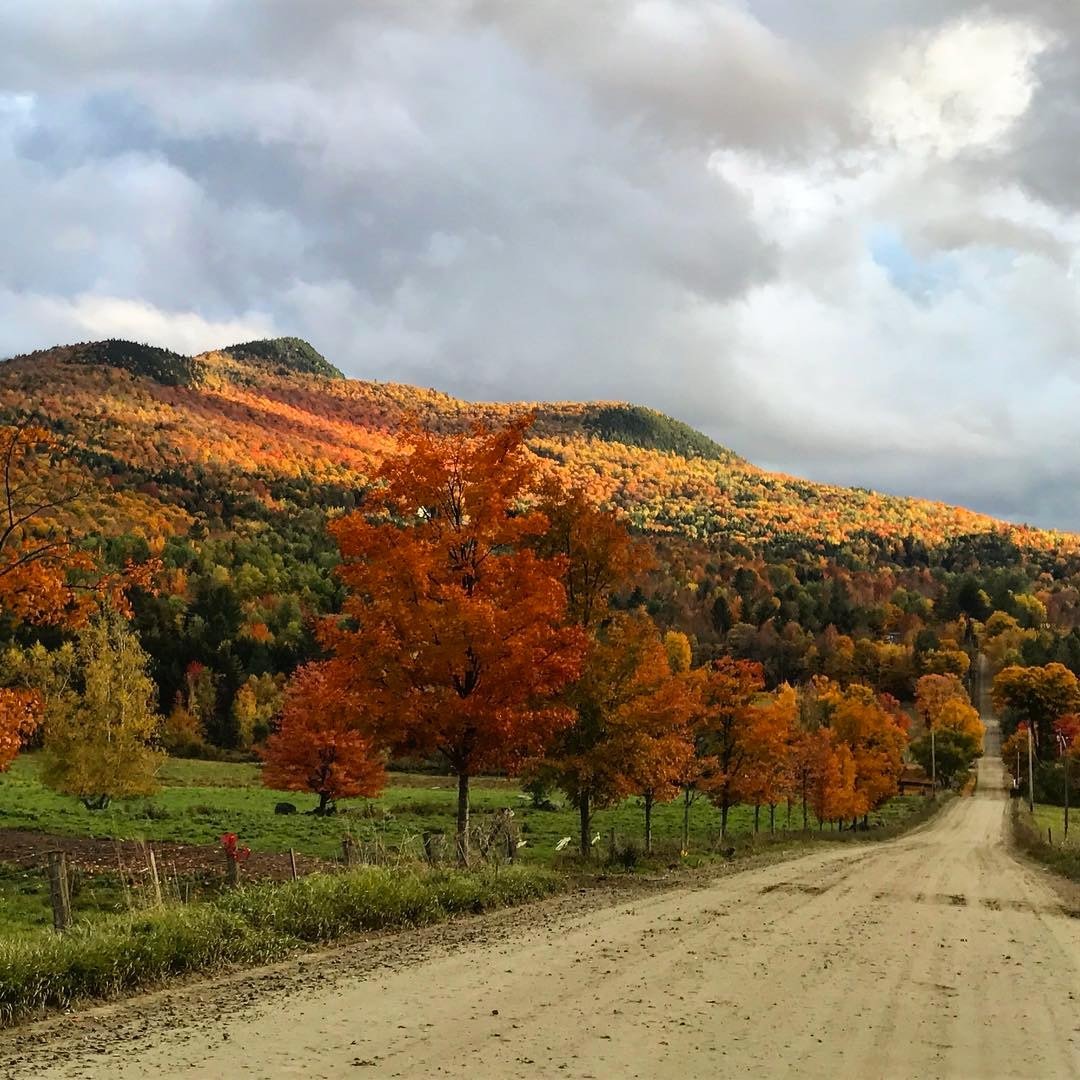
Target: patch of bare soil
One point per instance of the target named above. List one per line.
(26, 848)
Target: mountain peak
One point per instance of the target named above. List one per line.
(289, 355)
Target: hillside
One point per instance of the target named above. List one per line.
(272, 421)
(227, 465)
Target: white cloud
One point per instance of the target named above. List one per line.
(89, 317)
(960, 88)
(841, 237)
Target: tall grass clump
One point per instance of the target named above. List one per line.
(326, 906)
(254, 925)
(106, 957)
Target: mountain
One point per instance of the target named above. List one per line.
(227, 465)
(266, 424)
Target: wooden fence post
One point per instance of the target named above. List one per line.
(59, 892)
(347, 851)
(154, 874)
(292, 864)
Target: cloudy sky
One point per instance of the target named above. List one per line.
(841, 237)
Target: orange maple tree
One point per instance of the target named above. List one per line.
(454, 632)
(766, 777)
(622, 667)
(598, 552)
(874, 731)
(20, 714)
(318, 745)
(652, 739)
(729, 691)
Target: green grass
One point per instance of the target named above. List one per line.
(1053, 817)
(1029, 833)
(201, 800)
(25, 904)
(249, 926)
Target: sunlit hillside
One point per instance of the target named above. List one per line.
(275, 422)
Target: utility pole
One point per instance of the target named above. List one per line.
(1066, 763)
(1031, 775)
(933, 764)
(1063, 747)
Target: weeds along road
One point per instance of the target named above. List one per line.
(936, 955)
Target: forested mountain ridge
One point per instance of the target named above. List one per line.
(227, 466)
(253, 417)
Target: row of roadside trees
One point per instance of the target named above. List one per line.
(482, 626)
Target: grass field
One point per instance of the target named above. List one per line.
(1029, 833)
(1053, 818)
(201, 800)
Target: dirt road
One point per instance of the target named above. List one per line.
(937, 955)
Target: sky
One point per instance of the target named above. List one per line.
(841, 238)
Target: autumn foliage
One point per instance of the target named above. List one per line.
(1037, 697)
(20, 715)
(454, 639)
(318, 745)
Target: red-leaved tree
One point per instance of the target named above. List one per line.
(454, 635)
(318, 746)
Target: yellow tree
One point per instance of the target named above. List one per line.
(1037, 696)
(932, 692)
(102, 745)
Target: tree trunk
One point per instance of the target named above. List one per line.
(324, 801)
(772, 817)
(686, 820)
(648, 822)
(788, 823)
(723, 816)
(585, 816)
(463, 819)
(805, 823)
(757, 818)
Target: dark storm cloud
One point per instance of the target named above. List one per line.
(838, 237)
